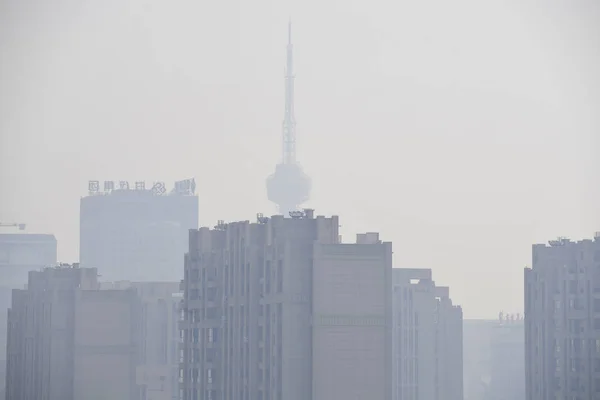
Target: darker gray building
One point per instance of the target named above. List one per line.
(562, 321)
(68, 340)
(264, 317)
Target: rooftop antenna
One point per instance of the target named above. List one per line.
(289, 120)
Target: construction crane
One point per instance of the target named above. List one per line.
(21, 227)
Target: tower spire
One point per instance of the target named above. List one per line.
(288, 186)
(289, 121)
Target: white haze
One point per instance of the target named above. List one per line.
(462, 131)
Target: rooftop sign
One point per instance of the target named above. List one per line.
(185, 187)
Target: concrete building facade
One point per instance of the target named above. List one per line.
(562, 321)
(157, 372)
(427, 339)
(68, 340)
(351, 318)
(248, 307)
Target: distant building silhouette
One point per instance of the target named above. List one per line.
(427, 339)
(19, 254)
(68, 340)
(507, 360)
(562, 321)
(280, 309)
(136, 234)
(477, 334)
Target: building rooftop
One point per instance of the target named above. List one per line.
(26, 237)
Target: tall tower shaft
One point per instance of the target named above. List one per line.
(288, 187)
(289, 121)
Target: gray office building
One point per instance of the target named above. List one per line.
(137, 234)
(262, 318)
(562, 321)
(427, 339)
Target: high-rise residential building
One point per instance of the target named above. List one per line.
(157, 372)
(351, 320)
(137, 234)
(507, 359)
(427, 339)
(19, 254)
(68, 340)
(255, 317)
(562, 321)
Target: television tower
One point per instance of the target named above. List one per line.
(288, 186)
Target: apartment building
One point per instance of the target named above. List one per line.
(427, 339)
(562, 320)
(68, 340)
(254, 319)
(352, 311)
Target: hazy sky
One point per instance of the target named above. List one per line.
(463, 131)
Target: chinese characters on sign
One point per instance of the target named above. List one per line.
(186, 187)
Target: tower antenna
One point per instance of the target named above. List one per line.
(288, 187)
(289, 120)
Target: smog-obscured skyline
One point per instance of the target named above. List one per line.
(460, 131)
